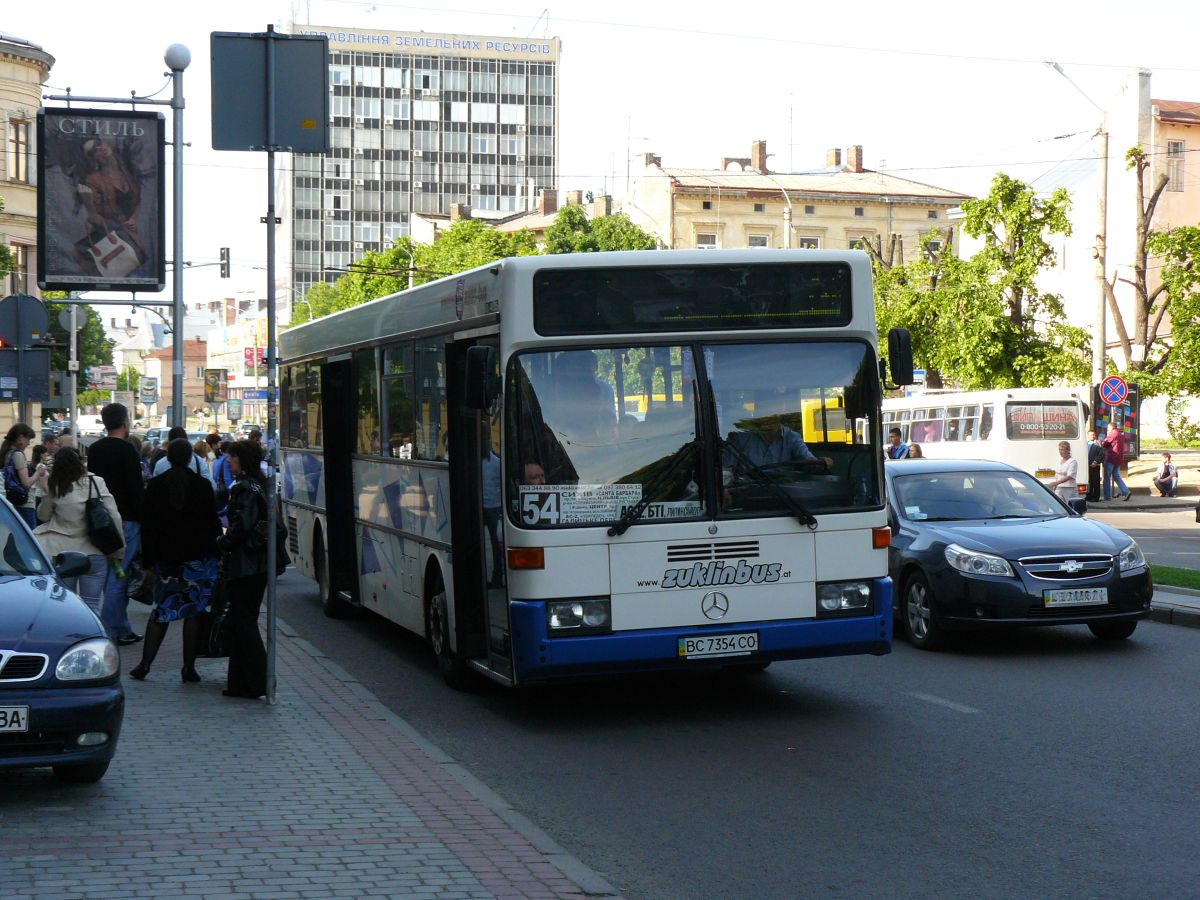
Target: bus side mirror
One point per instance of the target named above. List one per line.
(900, 356)
(482, 385)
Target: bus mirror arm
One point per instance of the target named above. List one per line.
(482, 385)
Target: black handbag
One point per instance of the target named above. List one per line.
(102, 530)
(214, 621)
(140, 583)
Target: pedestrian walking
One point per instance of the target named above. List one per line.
(244, 560)
(146, 454)
(198, 464)
(223, 481)
(18, 485)
(1066, 473)
(1095, 459)
(1114, 458)
(63, 514)
(114, 459)
(180, 543)
(896, 448)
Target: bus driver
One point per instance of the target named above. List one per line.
(763, 441)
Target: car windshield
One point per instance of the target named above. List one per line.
(19, 553)
(758, 429)
(951, 496)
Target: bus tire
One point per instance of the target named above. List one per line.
(332, 605)
(454, 670)
(919, 615)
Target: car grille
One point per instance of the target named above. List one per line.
(1067, 568)
(32, 744)
(22, 666)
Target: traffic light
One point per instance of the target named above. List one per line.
(224, 262)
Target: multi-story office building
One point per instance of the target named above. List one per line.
(421, 122)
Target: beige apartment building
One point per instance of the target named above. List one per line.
(744, 204)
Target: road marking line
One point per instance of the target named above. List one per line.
(949, 704)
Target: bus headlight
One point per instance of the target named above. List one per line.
(584, 615)
(834, 597)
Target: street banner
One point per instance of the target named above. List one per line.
(101, 378)
(234, 410)
(101, 222)
(215, 385)
(149, 389)
(250, 354)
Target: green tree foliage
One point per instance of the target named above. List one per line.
(95, 350)
(574, 232)
(128, 379)
(466, 244)
(1176, 369)
(981, 322)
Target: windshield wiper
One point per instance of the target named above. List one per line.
(649, 489)
(795, 507)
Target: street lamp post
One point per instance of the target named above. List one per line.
(177, 58)
(1100, 333)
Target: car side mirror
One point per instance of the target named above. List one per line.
(71, 564)
(1078, 505)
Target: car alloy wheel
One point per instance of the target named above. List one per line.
(920, 620)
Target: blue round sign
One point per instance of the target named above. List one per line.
(1114, 390)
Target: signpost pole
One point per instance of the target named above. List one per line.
(72, 384)
(177, 59)
(21, 411)
(272, 549)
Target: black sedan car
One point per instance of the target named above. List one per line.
(978, 544)
(61, 701)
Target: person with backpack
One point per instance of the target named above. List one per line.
(18, 479)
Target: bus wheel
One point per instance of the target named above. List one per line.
(454, 670)
(920, 619)
(333, 606)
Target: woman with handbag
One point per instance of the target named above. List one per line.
(65, 522)
(244, 557)
(179, 539)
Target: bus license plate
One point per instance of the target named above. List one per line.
(710, 645)
(1077, 597)
(14, 718)
(1045, 473)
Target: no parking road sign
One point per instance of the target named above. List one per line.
(1114, 390)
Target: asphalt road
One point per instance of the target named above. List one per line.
(1041, 763)
(1170, 538)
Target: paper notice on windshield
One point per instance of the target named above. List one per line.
(576, 504)
(669, 509)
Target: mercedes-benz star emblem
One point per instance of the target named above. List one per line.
(714, 605)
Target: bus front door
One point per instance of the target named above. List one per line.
(340, 432)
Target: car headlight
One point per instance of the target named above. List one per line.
(972, 562)
(843, 597)
(89, 661)
(586, 615)
(1131, 558)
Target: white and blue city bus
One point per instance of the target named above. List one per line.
(569, 465)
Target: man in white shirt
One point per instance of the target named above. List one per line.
(1066, 474)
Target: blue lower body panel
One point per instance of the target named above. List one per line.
(539, 657)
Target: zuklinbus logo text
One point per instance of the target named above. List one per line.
(714, 573)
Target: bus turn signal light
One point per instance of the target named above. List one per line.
(526, 558)
(881, 538)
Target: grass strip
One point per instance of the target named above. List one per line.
(1173, 576)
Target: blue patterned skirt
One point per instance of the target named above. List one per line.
(186, 594)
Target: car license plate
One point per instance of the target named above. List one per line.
(14, 718)
(1045, 473)
(1077, 597)
(711, 645)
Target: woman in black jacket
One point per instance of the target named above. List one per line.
(244, 555)
(179, 538)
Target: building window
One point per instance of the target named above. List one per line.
(931, 214)
(1175, 151)
(810, 210)
(808, 243)
(19, 276)
(933, 248)
(760, 207)
(856, 244)
(706, 241)
(18, 151)
(707, 204)
(858, 210)
(757, 240)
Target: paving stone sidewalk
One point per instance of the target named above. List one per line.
(325, 794)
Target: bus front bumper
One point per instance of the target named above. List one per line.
(539, 657)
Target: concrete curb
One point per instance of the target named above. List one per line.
(591, 882)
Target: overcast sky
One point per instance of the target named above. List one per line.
(945, 94)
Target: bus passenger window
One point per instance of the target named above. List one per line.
(369, 439)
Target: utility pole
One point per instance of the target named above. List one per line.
(177, 58)
(72, 385)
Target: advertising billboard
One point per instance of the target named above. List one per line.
(251, 355)
(101, 222)
(215, 385)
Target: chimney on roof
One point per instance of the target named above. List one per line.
(758, 156)
(459, 211)
(854, 158)
(547, 202)
(833, 158)
(602, 206)
(652, 159)
(574, 198)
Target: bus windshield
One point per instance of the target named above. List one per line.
(755, 429)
